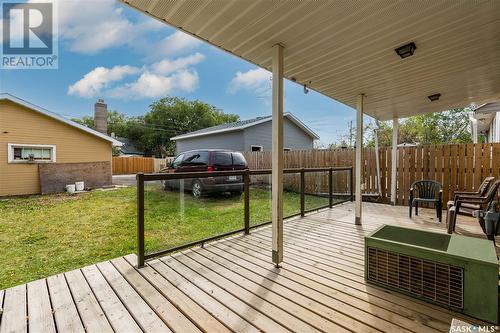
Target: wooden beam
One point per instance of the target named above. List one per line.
(359, 156)
(394, 159)
(277, 155)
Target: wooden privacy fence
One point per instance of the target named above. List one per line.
(132, 165)
(457, 167)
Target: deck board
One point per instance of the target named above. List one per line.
(64, 308)
(14, 310)
(119, 317)
(138, 308)
(196, 313)
(93, 317)
(2, 292)
(254, 316)
(41, 318)
(231, 286)
(162, 307)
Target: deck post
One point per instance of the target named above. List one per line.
(277, 155)
(330, 188)
(359, 156)
(140, 219)
(246, 185)
(302, 193)
(394, 159)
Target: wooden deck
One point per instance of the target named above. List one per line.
(230, 285)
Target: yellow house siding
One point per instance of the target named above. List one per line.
(21, 125)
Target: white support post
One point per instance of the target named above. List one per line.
(394, 159)
(277, 156)
(359, 157)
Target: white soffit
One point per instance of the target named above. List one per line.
(342, 48)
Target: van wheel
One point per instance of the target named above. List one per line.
(196, 188)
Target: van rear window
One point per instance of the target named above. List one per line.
(222, 158)
(239, 160)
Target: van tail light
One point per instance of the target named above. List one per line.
(210, 169)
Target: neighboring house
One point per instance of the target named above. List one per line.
(485, 120)
(41, 152)
(128, 148)
(248, 135)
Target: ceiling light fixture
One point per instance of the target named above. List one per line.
(406, 50)
(434, 97)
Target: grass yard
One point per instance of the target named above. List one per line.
(45, 235)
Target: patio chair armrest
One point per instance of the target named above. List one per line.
(471, 199)
(410, 191)
(465, 193)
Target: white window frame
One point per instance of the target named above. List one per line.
(256, 146)
(10, 152)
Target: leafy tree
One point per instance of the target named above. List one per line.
(85, 121)
(435, 128)
(171, 116)
(117, 122)
(168, 117)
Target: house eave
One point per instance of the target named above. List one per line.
(290, 116)
(36, 108)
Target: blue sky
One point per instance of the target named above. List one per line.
(111, 51)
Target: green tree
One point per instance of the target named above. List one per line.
(117, 122)
(171, 116)
(167, 117)
(434, 128)
(85, 121)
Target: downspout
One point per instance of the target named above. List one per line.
(473, 125)
(377, 159)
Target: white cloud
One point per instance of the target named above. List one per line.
(92, 83)
(151, 85)
(91, 26)
(168, 66)
(97, 25)
(257, 80)
(155, 80)
(176, 43)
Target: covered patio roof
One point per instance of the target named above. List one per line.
(344, 48)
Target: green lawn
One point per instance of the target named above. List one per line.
(45, 235)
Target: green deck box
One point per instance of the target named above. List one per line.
(454, 271)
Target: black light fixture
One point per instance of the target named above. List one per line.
(434, 97)
(406, 50)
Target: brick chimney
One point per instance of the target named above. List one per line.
(101, 116)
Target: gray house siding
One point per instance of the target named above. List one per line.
(261, 135)
(242, 140)
(230, 140)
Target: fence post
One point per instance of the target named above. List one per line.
(330, 187)
(351, 183)
(140, 219)
(302, 192)
(246, 189)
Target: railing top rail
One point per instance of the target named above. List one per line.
(205, 174)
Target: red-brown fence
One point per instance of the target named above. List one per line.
(131, 165)
(457, 166)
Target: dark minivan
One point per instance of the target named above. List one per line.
(208, 160)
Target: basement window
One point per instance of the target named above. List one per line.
(23, 153)
(256, 148)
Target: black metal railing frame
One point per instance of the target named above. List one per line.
(143, 178)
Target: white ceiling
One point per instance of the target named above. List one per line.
(346, 47)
